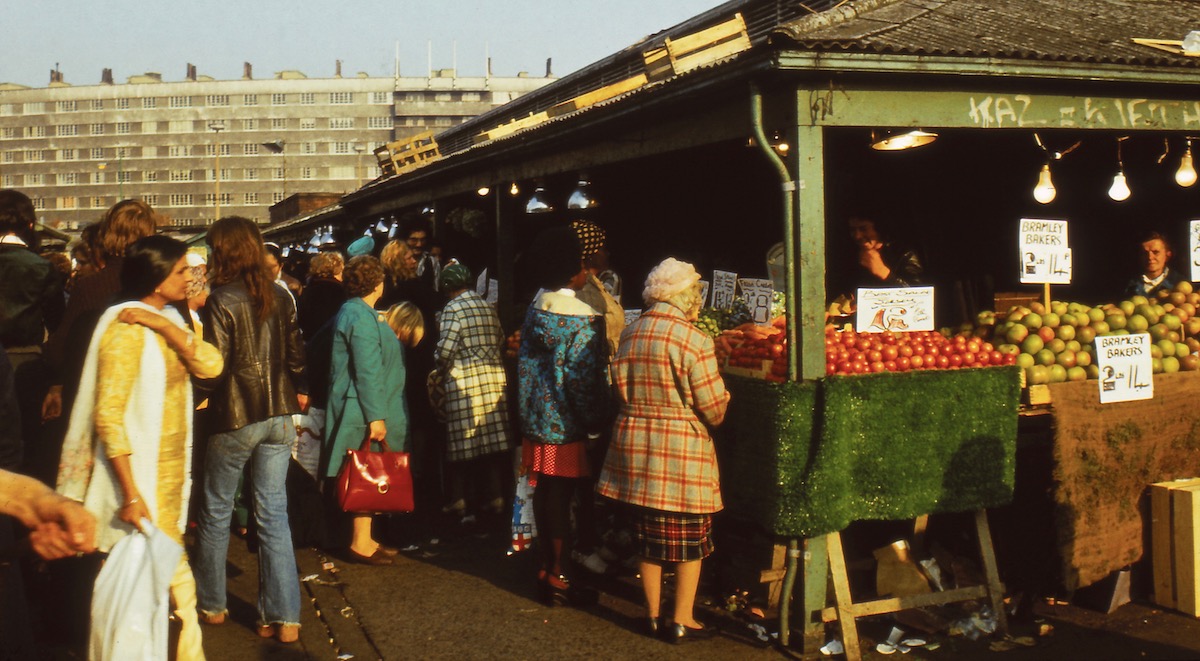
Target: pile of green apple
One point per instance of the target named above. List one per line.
(1056, 344)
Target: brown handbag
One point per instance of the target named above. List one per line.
(375, 481)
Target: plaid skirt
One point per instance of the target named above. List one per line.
(671, 536)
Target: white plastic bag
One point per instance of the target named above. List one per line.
(131, 597)
(524, 527)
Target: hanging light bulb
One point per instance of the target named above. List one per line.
(1186, 174)
(514, 190)
(1044, 191)
(483, 191)
(392, 230)
(327, 236)
(780, 142)
(367, 232)
(316, 238)
(312, 250)
(538, 202)
(285, 251)
(1119, 190)
(381, 226)
(581, 197)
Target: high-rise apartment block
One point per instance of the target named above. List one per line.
(247, 144)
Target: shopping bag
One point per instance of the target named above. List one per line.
(375, 481)
(524, 527)
(131, 597)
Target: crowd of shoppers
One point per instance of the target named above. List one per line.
(168, 365)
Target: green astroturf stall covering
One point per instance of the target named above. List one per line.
(805, 459)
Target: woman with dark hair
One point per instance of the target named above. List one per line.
(563, 389)
(250, 321)
(366, 391)
(132, 417)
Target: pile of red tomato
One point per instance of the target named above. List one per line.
(848, 352)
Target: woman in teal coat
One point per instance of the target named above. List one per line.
(366, 390)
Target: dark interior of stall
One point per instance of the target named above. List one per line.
(956, 201)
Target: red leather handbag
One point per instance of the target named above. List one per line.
(375, 481)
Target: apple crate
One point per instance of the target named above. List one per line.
(758, 372)
(1175, 541)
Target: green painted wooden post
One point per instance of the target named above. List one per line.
(809, 167)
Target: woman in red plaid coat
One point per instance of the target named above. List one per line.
(662, 462)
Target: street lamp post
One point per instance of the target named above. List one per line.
(360, 149)
(216, 127)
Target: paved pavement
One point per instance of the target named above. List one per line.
(465, 598)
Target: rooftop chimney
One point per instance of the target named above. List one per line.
(246, 73)
(337, 69)
(191, 72)
(549, 73)
(106, 77)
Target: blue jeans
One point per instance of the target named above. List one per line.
(270, 444)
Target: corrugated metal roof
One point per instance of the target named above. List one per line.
(1088, 31)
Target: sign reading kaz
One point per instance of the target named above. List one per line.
(757, 293)
(896, 309)
(1045, 255)
(1126, 371)
(723, 286)
(1194, 233)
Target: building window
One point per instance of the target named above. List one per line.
(250, 174)
(178, 151)
(97, 104)
(308, 123)
(180, 200)
(97, 129)
(67, 202)
(35, 108)
(8, 181)
(181, 175)
(249, 124)
(217, 100)
(279, 175)
(150, 102)
(250, 198)
(124, 152)
(124, 128)
(250, 149)
(67, 106)
(379, 122)
(124, 176)
(152, 200)
(179, 126)
(150, 177)
(122, 104)
(97, 177)
(443, 96)
(97, 153)
(40, 131)
(210, 174)
(10, 157)
(307, 98)
(181, 102)
(341, 98)
(414, 97)
(279, 99)
(308, 147)
(250, 100)
(211, 199)
(343, 172)
(68, 179)
(308, 173)
(66, 130)
(278, 124)
(7, 110)
(339, 123)
(97, 203)
(276, 198)
(470, 96)
(63, 155)
(341, 147)
(38, 202)
(9, 133)
(211, 150)
(381, 97)
(443, 121)
(34, 179)
(34, 155)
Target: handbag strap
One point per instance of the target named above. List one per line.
(366, 445)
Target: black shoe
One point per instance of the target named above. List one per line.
(652, 626)
(378, 558)
(677, 633)
(553, 590)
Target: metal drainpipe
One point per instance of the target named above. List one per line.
(789, 250)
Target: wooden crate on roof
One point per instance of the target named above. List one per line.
(596, 96)
(512, 127)
(401, 156)
(697, 49)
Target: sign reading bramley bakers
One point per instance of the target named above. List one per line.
(1044, 253)
(1126, 368)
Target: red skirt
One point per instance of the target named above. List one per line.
(565, 460)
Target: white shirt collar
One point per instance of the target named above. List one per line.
(12, 240)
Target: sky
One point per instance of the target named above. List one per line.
(132, 37)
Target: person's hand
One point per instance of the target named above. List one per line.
(377, 431)
(870, 259)
(64, 528)
(155, 322)
(52, 404)
(302, 400)
(133, 511)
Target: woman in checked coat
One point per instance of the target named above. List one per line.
(470, 371)
(662, 462)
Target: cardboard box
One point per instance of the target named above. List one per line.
(1175, 540)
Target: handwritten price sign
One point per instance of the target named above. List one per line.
(757, 293)
(724, 285)
(1194, 233)
(1126, 369)
(1044, 253)
(897, 309)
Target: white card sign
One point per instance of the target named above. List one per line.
(1126, 368)
(757, 294)
(704, 287)
(895, 309)
(723, 289)
(481, 284)
(1194, 233)
(1045, 254)
(493, 291)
